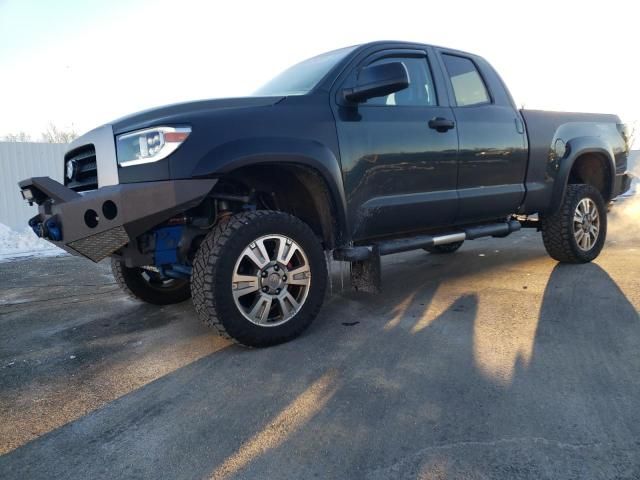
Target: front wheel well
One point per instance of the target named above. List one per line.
(592, 169)
(292, 188)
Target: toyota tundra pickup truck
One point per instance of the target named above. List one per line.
(361, 152)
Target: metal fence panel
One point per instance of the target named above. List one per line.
(19, 161)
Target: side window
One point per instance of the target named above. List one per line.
(467, 83)
(420, 91)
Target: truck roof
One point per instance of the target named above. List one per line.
(404, 43)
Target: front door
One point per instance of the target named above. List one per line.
(399, 167)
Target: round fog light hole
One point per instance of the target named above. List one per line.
(91, 218)
(109, 210)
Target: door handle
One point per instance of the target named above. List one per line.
(441, 124)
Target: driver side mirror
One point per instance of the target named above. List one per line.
(377, 81)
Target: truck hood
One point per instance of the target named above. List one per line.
(180, 112)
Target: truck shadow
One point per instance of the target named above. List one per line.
(395, 396)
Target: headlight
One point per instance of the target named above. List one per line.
(149, 145)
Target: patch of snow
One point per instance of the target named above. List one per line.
(15, 245)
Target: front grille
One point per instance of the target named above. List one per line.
(84, 173)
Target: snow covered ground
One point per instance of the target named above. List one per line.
(15, 245)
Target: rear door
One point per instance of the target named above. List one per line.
(492, 156)
(399, 172)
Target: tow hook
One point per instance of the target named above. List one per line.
(49, 229)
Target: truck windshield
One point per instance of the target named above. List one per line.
(302, 77)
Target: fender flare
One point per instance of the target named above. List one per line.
(283, 150)
(577, 147)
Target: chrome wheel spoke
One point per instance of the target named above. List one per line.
(283, 248)
(299, 276)
(288, 304)
(244, 284)
(584, 206)
(286, 250)
(577, 217)
(260, 310)
(257, 253)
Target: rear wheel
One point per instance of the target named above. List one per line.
(259, 278)
(445, 248)
(577, 231)
(146, 284)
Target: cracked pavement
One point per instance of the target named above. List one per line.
(493, 362)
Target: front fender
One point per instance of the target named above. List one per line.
(575, 148)
(269, 150)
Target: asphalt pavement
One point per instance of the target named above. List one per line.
(493, 362)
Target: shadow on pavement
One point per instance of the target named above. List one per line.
(403, 394)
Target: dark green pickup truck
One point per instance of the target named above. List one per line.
(360, 152)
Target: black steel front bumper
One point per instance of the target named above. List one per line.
(98, 223)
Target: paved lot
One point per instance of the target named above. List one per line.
(494, 362)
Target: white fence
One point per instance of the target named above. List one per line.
(19, 161)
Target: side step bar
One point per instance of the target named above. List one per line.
(366, 275)
(361, 253)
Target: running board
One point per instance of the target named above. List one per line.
(366, 273)
(361, 253)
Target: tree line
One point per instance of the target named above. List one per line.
(52, 134)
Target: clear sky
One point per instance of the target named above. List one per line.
(81, 63)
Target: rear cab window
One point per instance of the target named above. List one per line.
(468, 87)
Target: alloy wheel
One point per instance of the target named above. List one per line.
(586, 224)
(271, 280)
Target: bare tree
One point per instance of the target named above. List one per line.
(54, 134)
(17, 137)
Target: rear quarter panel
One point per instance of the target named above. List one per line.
(578, 133)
